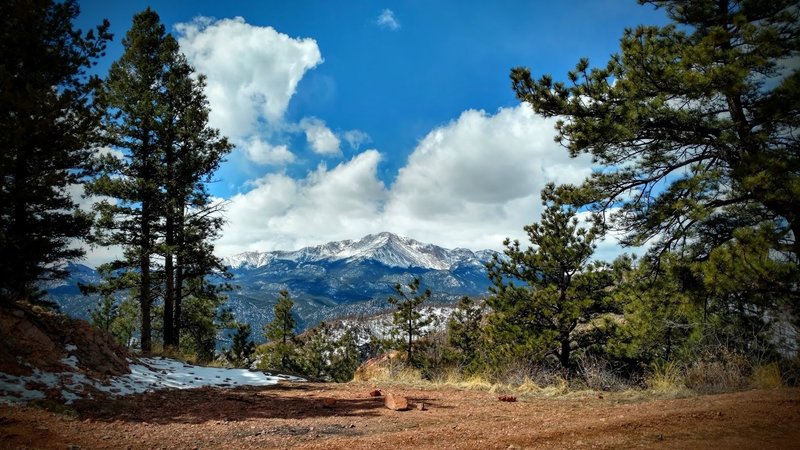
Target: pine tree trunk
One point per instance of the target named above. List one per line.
(144, 268)
(563, 356)
(169, 241)
(169, 287)
(17, 273)
(178, 297)
(179, 228)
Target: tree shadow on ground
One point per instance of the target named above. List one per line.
(195, 406)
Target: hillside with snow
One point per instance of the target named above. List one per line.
(329, 281)
(386, 248)
(351, 277)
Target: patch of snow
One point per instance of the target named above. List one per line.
(151, 374)
(70, 347)
(71, 361)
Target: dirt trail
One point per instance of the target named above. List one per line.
(298, 416)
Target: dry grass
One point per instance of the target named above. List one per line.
(399, 374)
(391, 372)
(667, 380)
(767, 377)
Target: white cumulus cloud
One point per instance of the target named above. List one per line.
(320, 138)
(469, 183)
(386, 19)
(356, 138)
(252, 73)
(262, 152)
(280, 212)
(477, 180)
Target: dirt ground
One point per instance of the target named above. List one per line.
(299, 416)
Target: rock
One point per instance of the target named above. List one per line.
(396, 402)
(375, 393)
(421, 406)
(507, 398)
(328, 402)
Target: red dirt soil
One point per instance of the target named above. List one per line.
(299, 416)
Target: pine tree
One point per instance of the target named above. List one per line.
(242, 347)
(660, 309)
(203, 319)
(408, 320)
(464, 330)
(48, 126)
(281, 331)
(103, 316)
(345, 357)
(192, 153)
(695, 124)
(161, 207)
(317, 353)
(127, 321)
(543, 293)
(132, 95)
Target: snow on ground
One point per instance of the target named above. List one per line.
(149, 374)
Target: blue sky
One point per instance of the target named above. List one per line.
(365, 116)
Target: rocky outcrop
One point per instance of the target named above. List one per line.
(34, 338)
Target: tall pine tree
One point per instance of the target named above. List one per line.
(408, 320)
(161, 211)
(542, 294)
(47, 127)
(132, 95)
(193, 151)
(695, 124)
(281, 332)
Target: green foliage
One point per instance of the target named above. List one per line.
(677, 309)
(202, 319)
(48, 125)
(345, 358)
(126, 323)
(408, 321)
(103, 316)
(157, 121)
(280, 332)
(661, 315)
(549, 299)
(694, 124)
(464, 332)
(120, 319)
(242, 348)
(317, 352)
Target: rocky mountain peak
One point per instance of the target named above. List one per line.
(386, 248)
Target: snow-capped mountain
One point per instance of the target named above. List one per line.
(386, 248)
(337, 279)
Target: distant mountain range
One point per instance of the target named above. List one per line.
(333, 280)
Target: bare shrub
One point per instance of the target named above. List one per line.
(718, 369)
(600, 376)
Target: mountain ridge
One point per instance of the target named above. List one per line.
(386, 247)
(327, 281)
